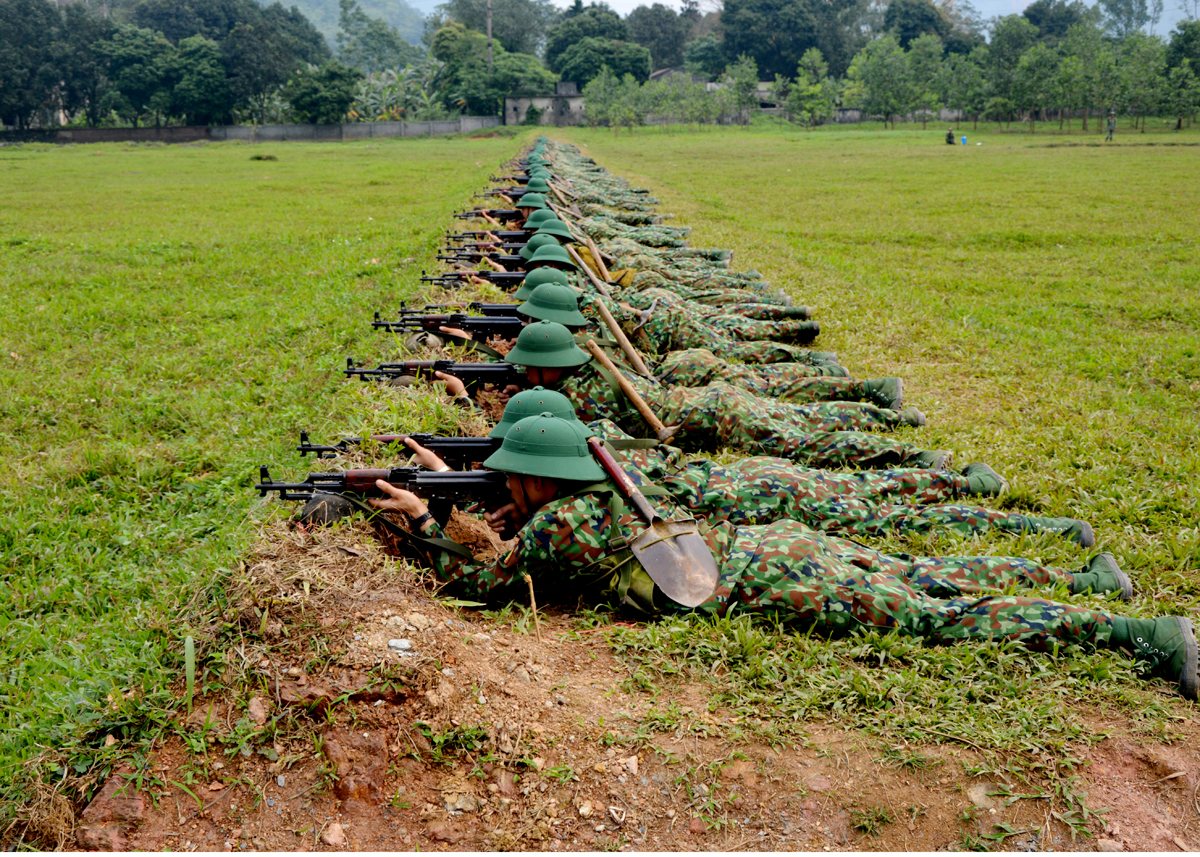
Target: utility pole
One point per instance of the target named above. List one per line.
(489, 17)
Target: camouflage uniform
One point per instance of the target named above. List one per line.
(720, 296)
(673, 329)
(721, 415)
(606, 229)
(630, 218)
(784, 569)
(734, 325)
(762, 490)
(789, 382)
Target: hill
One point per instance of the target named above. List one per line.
(324, 15)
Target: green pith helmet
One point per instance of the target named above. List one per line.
(535, 242)
(556, 228)
(537, 186)
(538, 277)
(532, 200)
(545, 445)
(539, 217)
(554, 302)
(549, 256)
(546, 345)
(540, 173)
(530, 403)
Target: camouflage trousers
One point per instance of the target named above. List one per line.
(721, 415)
(674, 329)
(791, 382)
(728, 316)
(762, 490)
(834, 584)
(716, 297)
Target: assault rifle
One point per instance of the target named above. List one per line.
(442, 491)
(503, 279)
(474, 306)
(518, 235)
(498, 213)
(485, 326)
(474, 257)
(457, 452)
(468, 246)
(473, 375)
(510, 192)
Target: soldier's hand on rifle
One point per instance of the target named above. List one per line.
(399, 500)
(490, 219)
(456, 331)
(507, 393)
(479, 281)
(505, 197)
(454, 386)
(494, 264)
(504, 521)
(424, 457)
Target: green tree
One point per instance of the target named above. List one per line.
(879, 79)
(1054, 18)
(322, 96)
(1182, 92)
(371, 44)
(1012, 36)
(740, 83)
(583, 60)
(298, 38)
(590, 23)
(704, 56)
(600, 97)
(925, 74)
(519, 25)
(964, 86)
(1184, 44)
(662, 31)
(1123, 18)
(28, 76)
(910, 19)
(1141, 72)
(82, 66)
(201, 93)
(776, 33)
(1092, 56)
(1036, 81)
(470, 85)
(812, 98)
(140, 64)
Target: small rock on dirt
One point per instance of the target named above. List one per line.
(257, 711)
(818, 783)
(419, 621)
(1109, 845)
(697, 825)
(400, 645)
(978, 795)
(632, 764)
(440, 831)
(334, 836)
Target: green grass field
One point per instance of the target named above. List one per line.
(173, 317)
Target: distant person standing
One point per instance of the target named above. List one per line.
(1111, 126)
(950, 137)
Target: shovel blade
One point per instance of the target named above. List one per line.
(678, 560)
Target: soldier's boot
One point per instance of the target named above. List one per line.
(818, 357)
(1100, 576)
(886, 392)
(806, 331)
(799, 313)
(1167, 645)
(912, 417)
(984, 481)
(784, 298)
(1077, 531)
(934, 459)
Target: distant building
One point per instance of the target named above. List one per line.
(564, 107)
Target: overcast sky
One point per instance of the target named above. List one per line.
(987, 8)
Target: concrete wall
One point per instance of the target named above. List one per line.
(556, 109)
(256, 133)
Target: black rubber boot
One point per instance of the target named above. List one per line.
(323, 509)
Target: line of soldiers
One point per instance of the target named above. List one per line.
(634, 337)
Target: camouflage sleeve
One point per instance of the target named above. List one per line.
(561, 539)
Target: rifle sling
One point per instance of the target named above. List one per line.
(376, 516)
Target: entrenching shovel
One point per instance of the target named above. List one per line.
(662, 432)
(673, 553)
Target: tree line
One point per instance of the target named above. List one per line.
(105, 62)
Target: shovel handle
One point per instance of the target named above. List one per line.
(627, 388)
(618, 475)
(623, 340)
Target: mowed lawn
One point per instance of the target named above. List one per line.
(172, 316)
(176, 314)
